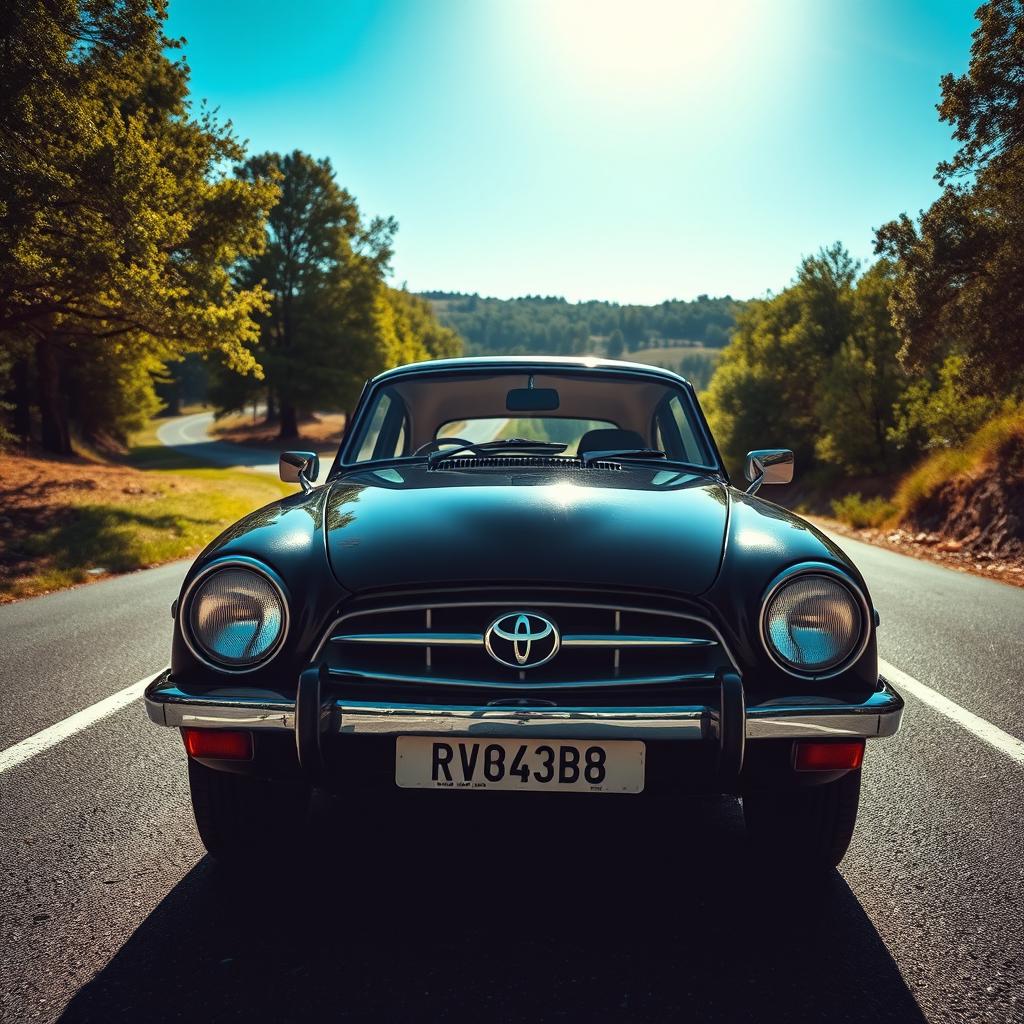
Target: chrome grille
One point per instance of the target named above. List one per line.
(603, 645)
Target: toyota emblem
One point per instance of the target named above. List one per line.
(522, 640)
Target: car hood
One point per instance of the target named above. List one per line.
(655, 530)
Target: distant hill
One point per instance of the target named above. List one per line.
(684, 336)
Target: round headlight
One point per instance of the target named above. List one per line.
(236, 617)
(812, 624)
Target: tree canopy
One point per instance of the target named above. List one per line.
(960, 269)
(331, 322)
(813, 368)
(119, 222)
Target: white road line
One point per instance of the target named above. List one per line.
(54, 734)
(991, 734)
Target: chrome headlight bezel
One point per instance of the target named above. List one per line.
(834, 575)
(185, 614)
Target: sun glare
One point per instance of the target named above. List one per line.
(644, 44)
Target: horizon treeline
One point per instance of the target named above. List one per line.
(536, 324)
(142, 249)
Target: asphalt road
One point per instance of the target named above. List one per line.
(190, 435)
(518, 910)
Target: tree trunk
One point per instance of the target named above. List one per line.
(271, 407)
(289, 422)
(21, 377)
(173, 401)
(53, 410)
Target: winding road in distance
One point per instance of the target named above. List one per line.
(111, 912)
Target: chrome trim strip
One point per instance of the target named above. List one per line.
(369, 718)
(519, 684)
(441, 603)
(625, 640)
(420, 639)
(477, 640)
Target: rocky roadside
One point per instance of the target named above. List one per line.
(948, 552)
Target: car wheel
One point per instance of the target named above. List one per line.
(810, 827)
(243, 819)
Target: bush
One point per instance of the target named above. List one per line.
(858, 513)
(990, 446)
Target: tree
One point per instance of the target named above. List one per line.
(322, 267)
(118, 225)
(616, 344)
(766, 387)
(858, 391)
(936, 412)
(331, 322)
(960, 269)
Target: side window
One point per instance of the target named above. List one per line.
(690, 447)
(387, 432)
(373, 429)
(681, 436)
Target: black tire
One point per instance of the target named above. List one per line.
(808, 828)
(245, 820)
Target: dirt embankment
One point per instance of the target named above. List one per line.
(983, 511)
(963, 508)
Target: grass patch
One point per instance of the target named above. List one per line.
(857, 512)
(63, 518)
(985, 449)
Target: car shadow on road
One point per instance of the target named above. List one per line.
(515, 911)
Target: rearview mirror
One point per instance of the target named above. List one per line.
(300, 468)
(769, 466)
(531, 400)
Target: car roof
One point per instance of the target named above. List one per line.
(540, 363)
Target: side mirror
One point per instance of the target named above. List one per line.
(769, 466)
(300, 468)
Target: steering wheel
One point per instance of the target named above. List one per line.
(440, 442)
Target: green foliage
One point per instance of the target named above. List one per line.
(118, 222)
(767, 388)
(548, 325)
(331, 321)
(408, 331)
(858, 513)
(960, 268)
(938, 411)
(322, 267)
(862, 383)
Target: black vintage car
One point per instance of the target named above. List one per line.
(527, 575)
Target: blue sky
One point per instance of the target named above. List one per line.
(633, 150)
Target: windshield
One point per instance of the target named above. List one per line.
(586, 412)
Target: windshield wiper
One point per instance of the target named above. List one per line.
(614, 454)
(517, 444)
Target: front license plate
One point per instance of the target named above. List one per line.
(554, 766)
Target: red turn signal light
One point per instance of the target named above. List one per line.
(828, 756)
(230, 744)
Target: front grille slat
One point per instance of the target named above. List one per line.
(427, 648)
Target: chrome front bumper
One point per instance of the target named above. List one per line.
(241, 708)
